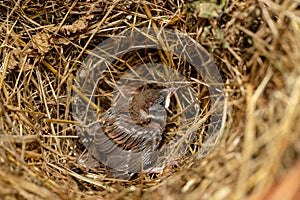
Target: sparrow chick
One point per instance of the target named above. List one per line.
(127, 138)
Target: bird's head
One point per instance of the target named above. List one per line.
(150, 99)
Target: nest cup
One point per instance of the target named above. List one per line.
(112, 72)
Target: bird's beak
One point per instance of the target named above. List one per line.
(171, 91)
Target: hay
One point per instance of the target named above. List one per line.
(255, 44)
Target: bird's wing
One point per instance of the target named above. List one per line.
(123, 152)
(128, 135)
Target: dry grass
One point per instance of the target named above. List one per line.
(255, 44)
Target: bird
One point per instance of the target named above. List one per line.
(127, 137)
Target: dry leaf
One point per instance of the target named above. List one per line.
(77, 26)
(16, 59)
(40, 41)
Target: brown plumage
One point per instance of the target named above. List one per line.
(139, 106)
(127, 137)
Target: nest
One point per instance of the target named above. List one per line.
(254, 45)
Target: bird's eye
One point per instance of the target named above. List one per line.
(161, 100)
